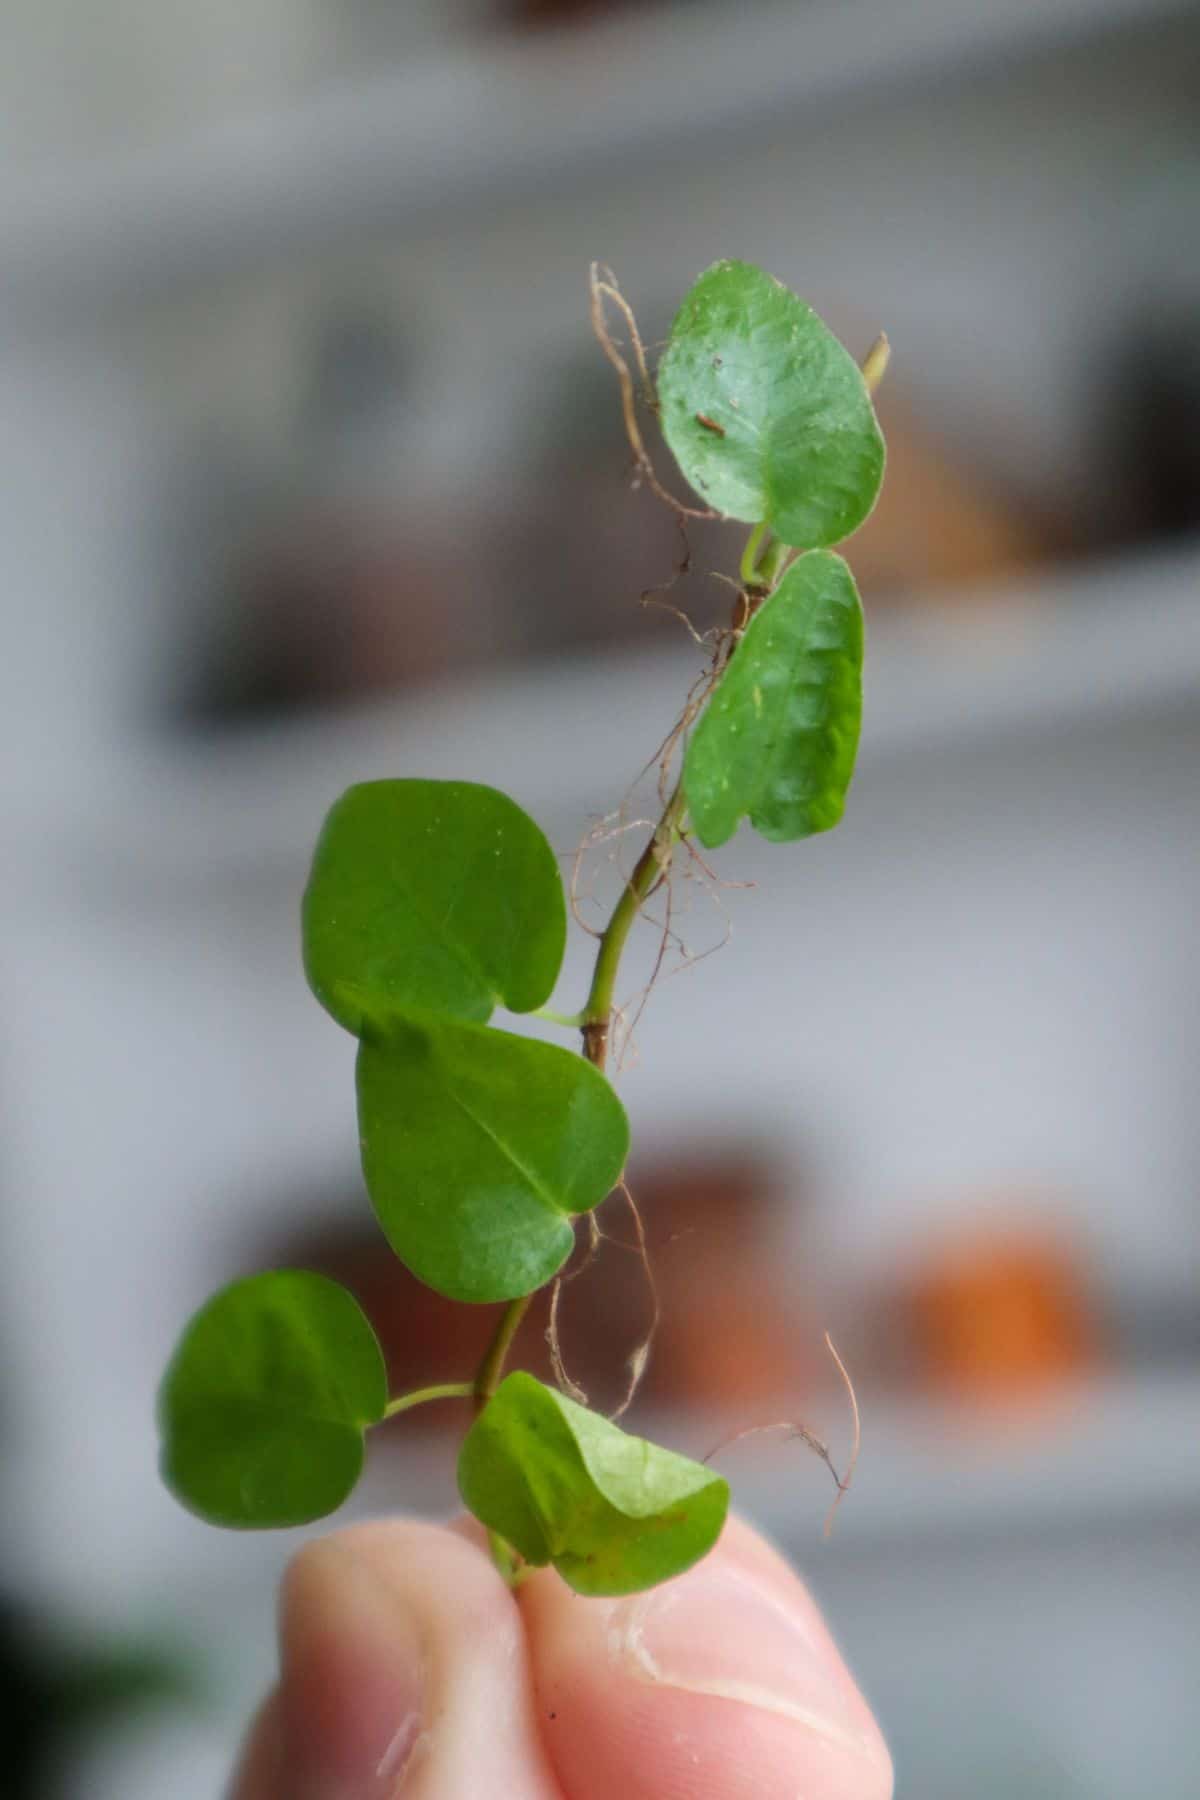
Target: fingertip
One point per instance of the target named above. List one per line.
(402, 1667)
(721, 1685)
(355, 1669)
(257, 1775)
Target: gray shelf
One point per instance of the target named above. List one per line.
(1085, 647)
(494, 121)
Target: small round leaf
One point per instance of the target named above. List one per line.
(779, 736)
(477, 1148)
(263, 1408)
(441, 896)
(612, 1512)
(767, 414)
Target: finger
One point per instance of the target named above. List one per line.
(403, 1672)
(722, 1685)
(258, 1770)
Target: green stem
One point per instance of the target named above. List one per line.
(770, 564)
(595, 1022)
(748, 568)
(649, 870)
(503, 1558)
(492, 1367)
(445, 1390)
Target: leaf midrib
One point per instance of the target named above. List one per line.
(532, 1180)
(435, 932)
(774, 753)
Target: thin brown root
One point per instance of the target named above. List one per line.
(795, 1429)
(693, 705)
(553, 1337)
(604, 832)
(617, 824)
(569, 1387)
(602, 291)
(596, 1237)
(665, 938)
(710, 874)
(670, 939)
(574, 898)
(611, 291)
(626, 1056)
(663, 757)
(640, 1356)
(607, 830)
(655, 597)
(856, 1441)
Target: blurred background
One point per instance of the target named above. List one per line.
(311, 471)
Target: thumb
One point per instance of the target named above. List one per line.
(721, 1685)
(403, 1667)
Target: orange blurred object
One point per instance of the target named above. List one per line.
(1000, 1314)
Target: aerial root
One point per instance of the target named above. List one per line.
(639, 1357)
(795, 1429)
(603, 290)
(856, 1440)
(612, 826)
(655, 597)
(566, 1382)
(569, 1386)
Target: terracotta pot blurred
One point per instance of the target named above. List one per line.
(1001, 1312)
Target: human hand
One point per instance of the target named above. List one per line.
(409, 1671)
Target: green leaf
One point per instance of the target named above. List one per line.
(477, 1148)
(441, 896)
(263, 1408)
(612, 1512)
(796, 442)
(779, 735)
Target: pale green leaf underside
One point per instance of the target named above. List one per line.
(796, 443)
(263, 1408)
(477, 1148)
(612, 1512)
(778, 738)
(441, 896)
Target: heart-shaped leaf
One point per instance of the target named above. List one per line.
(441, 896)
(778, 738)
(263, 1408)
(767, 414)
(477, 1148)
(612, 1512)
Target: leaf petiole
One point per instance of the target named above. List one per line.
(444, 1390)
(748, 567)
(502, 1556)
(492, 1367)
(572, 1021)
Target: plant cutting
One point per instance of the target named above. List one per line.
(433, 906)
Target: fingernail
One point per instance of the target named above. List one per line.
(720, 1631)
(353, 1684)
